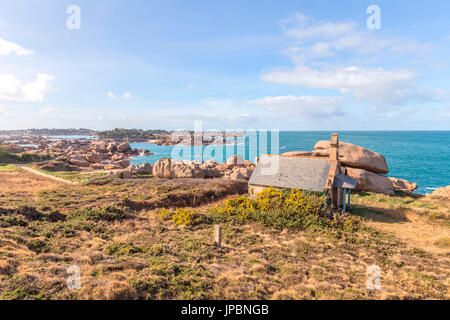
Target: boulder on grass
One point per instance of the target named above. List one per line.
(163, 168)
(403, 185)
(443, 192)
(182, 171)
(239, 174)
(144, 168)
(357, 157)
(369, 181)
(79, 161)
(210, 172)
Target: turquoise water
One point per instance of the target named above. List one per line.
(418, 156)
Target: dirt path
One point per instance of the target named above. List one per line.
(49, 176)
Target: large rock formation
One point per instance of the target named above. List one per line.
(168, 168)
(94, 157)
(124, 147)
(443, 192)
(124, 163)
(144, 168)
(239, 174)
(235, 160)
(79, 161)
(369, 181)
(403, 185)
(99, 146)
(357, 157)
(181, 170)
(163, 168)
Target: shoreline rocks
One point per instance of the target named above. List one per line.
(104, 154)
(403, 185)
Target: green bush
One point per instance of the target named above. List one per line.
(284, 208)
(6, 157)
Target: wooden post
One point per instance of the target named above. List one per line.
(345, 200)
(218, 235)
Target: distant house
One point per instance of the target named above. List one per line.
(305, 173)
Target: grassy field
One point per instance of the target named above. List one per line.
(8, 167)
(130, 242)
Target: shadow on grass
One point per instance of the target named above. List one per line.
(380, 215)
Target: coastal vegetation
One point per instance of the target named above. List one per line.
(131, 134)
(9, 158)
(50, 132)
(153, 239)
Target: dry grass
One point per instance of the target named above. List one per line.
(420, 222)
(22, 181)
(138, 255)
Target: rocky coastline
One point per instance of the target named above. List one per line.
(368, 167)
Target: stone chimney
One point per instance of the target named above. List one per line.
(335, 168)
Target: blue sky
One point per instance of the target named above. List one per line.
(288, 65)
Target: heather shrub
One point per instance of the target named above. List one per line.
(104, 214)
(283, 208)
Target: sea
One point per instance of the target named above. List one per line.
(422, 157)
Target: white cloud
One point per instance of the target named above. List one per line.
(127, 95)
(303, 106)
(375, 84)
(112, 95)
(13, 89)
(302, 27)
(7, 48)
(322, 39)
(324, 55)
